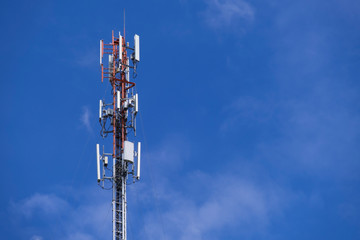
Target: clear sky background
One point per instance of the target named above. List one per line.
(249, 118)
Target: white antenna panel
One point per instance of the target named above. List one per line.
(101, 51)
(106, 160)
(137, 47)
(110, 60)
(120, 46)
(98, 161)
(138, 160)
(128, 154)
(136, 103)
(127, 70)
(118, 99)
(100, 109)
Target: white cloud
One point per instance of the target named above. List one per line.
(225, 13)
(85, 118)
(318, 123)
(42, 203)
(86, 215)
(230, 203)
(79, 236)
(196, 205)
(202, 206)
(36, 237)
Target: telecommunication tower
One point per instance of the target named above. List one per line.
(117, 117)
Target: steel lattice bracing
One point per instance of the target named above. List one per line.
(116, 119)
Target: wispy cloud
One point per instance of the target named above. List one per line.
(85, 119)
(230, 203)
(201, 205)
(86, 220)
(321, 129)
(36, 237)
(225, 13)
(42, 204)
(80, 236)
(315, 131)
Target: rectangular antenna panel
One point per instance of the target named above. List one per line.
(106, 160)
(127, 70)
(100, 109)
(137, 47)
(118, 99)
(110, 60)
(128, 154)
(101, 51)
(138, 160)
(136, 103)
(98, 161)
(120, 46)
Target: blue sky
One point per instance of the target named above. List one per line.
(249, 118)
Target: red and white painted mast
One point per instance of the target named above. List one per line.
(118, 118)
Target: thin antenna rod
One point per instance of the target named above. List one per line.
(124, 22)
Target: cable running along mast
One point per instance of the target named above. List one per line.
(117, 117)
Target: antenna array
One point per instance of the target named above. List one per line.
(118, 119)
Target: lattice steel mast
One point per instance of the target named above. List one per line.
(118, 118)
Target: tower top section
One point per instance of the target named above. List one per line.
(118, 58)
(117, 117)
